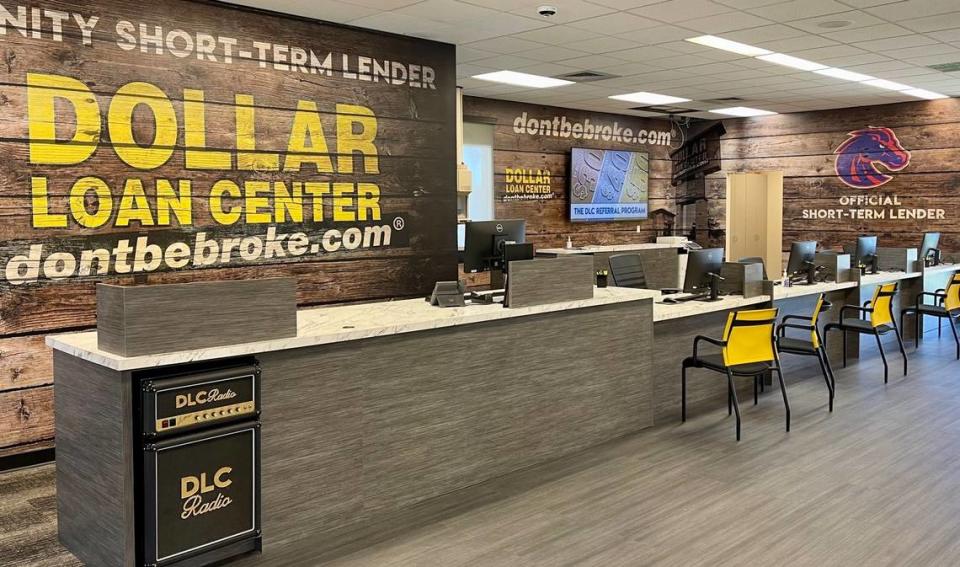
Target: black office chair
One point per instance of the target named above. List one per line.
(880, 321)
(627, 271)
(748, 348)
(810, 346)
(946, 306)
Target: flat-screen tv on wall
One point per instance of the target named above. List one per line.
(608, 185)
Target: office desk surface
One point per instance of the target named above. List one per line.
(887, 277)
(941, 269)
(780, 292)
(600, 249)
(666, 312)
(342, 323)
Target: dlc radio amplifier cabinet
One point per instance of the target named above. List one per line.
(199, 489)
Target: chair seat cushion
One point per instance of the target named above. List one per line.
(715, 362)
(936, 310)
(789, 344)
(864, 326)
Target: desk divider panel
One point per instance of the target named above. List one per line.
(553, 280)
(139, 320)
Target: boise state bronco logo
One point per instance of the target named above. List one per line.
(859, 155)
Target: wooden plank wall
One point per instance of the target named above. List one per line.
(548, 220)
(415, 142)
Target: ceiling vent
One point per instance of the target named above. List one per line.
(947, 67)
(586, 76)
(664, 109)
(723, 100)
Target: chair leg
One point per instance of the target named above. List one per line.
(733, 397)
(844, 348)
(783, 390)
(903, 351)
(756, 388)
(883, 355)
(919, 328)
(826, 361)
(939, 327)
(826, 377)
(683, 395)
(729, 399)
(956, 339)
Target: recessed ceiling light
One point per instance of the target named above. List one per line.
(922, 93)
(729, 45)
(790, 61)
(649, 98)
(889, 85)
(844, 74)
(834, 24)
(742, 111)
(522, 79)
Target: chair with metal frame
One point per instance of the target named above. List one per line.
(808, 347)
(626, 270)
(946, 306)
(881, 321)
(748, 348)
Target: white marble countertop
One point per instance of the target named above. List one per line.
(941, 269)
(797, 290)
(341, 323)
(611, 248)
(886, 277)
(666, 312)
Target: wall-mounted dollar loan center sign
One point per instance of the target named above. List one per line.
(233, 144)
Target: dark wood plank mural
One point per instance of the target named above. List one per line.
(175, 141)
(548, 222)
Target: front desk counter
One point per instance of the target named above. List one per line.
(374, 417)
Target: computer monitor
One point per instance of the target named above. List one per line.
(931, 241)
(865, 253)
(700, 265)
(802, 254)
(485, 246)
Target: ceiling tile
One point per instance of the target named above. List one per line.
(505, 45)
(603, 44)
(754, 36)
(899, 11)
(856, 18)
(893, 44)
(558, 35)
(880, 31)
(934, 23)
(802, 43)
(678, 10)
(613, 24)
(552, 53)
(744, 4)
(660, 34)
(723, 23)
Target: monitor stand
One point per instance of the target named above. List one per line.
(486, 297)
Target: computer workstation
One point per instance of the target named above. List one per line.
(702, 280)
(490, 246)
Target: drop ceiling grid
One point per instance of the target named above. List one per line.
(642, 41)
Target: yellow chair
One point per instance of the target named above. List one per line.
(880, 321)
(947, 306)
(811, 346)
(748, 348)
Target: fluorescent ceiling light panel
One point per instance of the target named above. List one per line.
(729, 45)
(522, 79)
(649, 98)
(889, 85)
(790, 61)
(922, 93)
(844, 74)
(742, 111)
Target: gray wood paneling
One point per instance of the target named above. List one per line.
(94, 429)
(553, 280)
(138, 320)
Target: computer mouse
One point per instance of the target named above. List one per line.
(669, 300)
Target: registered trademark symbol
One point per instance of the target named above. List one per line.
(398, 223)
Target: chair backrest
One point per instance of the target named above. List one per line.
(627, 270)
(952, 301)
(750, 337)
(821, 306)
(882, 304)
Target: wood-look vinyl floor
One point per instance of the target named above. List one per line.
(875, 483)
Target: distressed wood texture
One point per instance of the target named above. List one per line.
(548, 222)
(137, 320)
(415, 144)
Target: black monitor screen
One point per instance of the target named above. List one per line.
(701, 263)
(484, 242)
(931, 241)
(801, 253)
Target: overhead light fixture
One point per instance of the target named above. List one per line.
(729, 45)
(791, 61)
(742, 111)
(923, 93)
(844, 74)
(649, 98)
(889, 85)
(522, 79)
